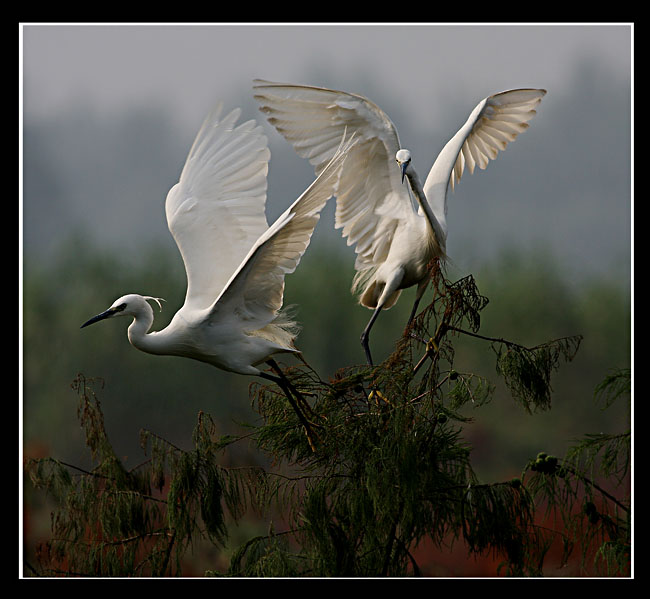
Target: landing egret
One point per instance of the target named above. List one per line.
(393, 241)
(235, 262)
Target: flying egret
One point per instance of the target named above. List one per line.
(235, 262)
(393, 241)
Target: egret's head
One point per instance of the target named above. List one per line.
(127, 305)
(403, 159)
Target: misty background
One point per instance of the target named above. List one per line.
(109, 113)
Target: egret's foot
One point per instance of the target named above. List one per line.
(377, 395)
(432, 346)
(310, 439)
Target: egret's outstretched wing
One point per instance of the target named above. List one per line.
(371, 200)
(495, 122)
(255, 292)
(216, 211)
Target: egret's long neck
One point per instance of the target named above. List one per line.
(435, 226)
(139, 335)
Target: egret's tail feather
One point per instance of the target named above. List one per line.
(283, 330)
(364, 285)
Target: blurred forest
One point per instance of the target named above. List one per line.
(530, 302)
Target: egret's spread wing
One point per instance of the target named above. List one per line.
(371, 200)
(216, 211)
(495, 122)
(255, 292)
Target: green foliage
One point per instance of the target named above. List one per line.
(613, 386)
(527, 371)
(593, 518)
(386, 470)
(391, 469)
(138, 522)
(110, 523)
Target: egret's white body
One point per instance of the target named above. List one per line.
(235, 262)
(393, 239)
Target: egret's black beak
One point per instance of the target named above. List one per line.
(403, 168)
(106, 314)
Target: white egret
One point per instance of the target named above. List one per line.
(393, 241)
(235, 262)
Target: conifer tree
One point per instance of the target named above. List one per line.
(387, 469)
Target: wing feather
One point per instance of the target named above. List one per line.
(503, 116)
(313, 120)
(255, 292)
(495, 122)
(216, 211)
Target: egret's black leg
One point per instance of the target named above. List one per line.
(413, 311)
(418, 296)
(299, 397)
(280, 380)
(365, 336)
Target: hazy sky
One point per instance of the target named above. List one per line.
(568, 181)
(186, 66)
